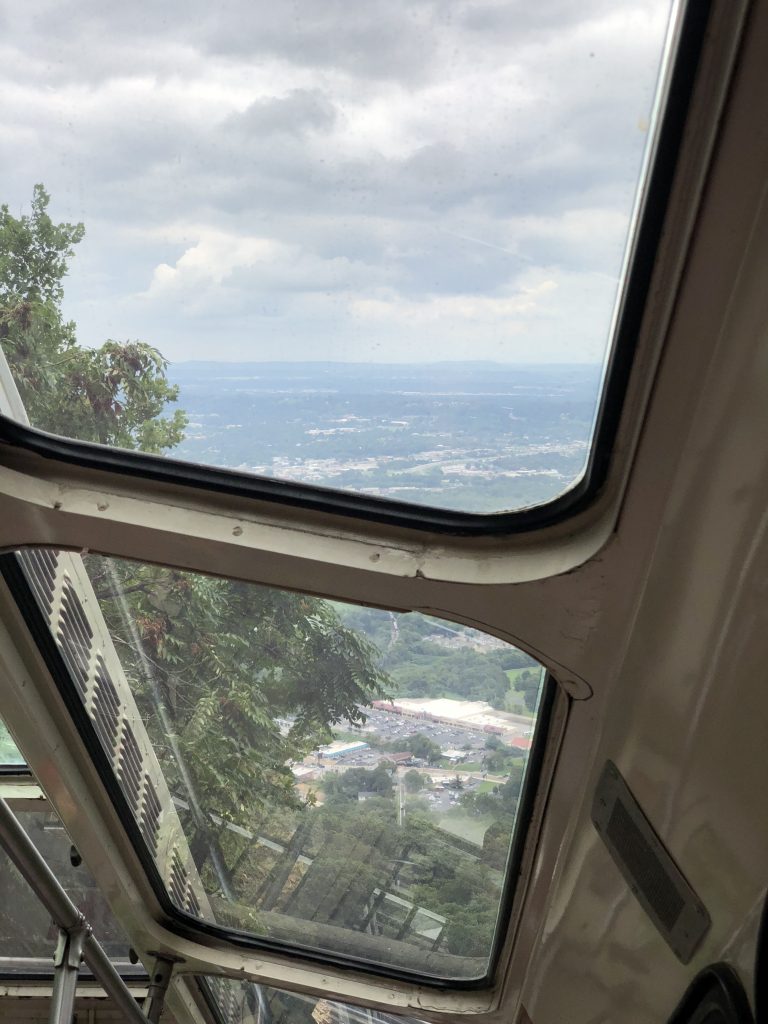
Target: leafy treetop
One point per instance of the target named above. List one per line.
(115, 394)
(234, 681)
(215, 664)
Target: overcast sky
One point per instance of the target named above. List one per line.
(335, 179)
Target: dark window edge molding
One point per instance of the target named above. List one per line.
(427, 518)
(761, 968)
(15, 771)
(715, 988)
(132, 975)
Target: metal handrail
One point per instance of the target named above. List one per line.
(27, 858)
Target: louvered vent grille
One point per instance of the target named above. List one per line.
(178, 881)
(193, 903)
(129, 768)
(63, 592)
(106, 707)
(227, 997)
(74, 635)
(150, 815)
(40, 567)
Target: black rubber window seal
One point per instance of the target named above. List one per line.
(715, 996)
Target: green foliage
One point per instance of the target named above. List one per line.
(528, 682)
(421, 667)
(511, 658)
(510, 791)
(235, 681)
(423, 747)
(115, 394)
(35, 252)
(434, 671)
(344, 786)
(481, 804)
(353, 848)
(358, 848)
(227, 660)
(496, 761)
(9, 752)
(463, 891)
(418, 744)
(470, 928)
(496, 842)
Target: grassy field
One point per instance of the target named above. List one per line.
(460, 824)
(462, 766)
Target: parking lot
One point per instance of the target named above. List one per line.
(385, 727)
(390, 727)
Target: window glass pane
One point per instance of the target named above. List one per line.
(328, 776)
(379, 244)
(26, 930)
(9, 752)
(242, 1002)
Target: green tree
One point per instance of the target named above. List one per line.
(423, 747)
(414, 783)
(227, 663)
(496, 761)
(496, 842)
(466, 893)
(116, 394)
(510, 790)
(353, 848)
(528, 683)
(341, 787)
(214, 663)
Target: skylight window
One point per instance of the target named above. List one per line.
(325, 778)
(380, 246)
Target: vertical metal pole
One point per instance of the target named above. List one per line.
(66, 961)
(159, 981)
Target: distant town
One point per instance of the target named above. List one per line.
(473, 436)
(459, 730)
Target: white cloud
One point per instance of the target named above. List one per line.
(368, 179)
(211, 261)
(446, 309)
